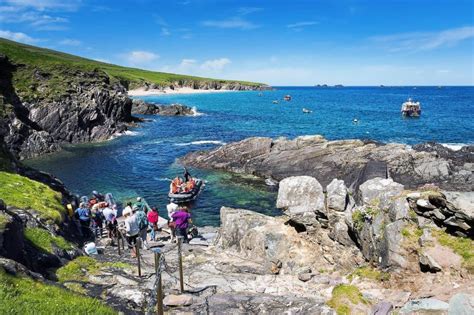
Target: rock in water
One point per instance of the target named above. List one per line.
(142, 108)
(302, 197)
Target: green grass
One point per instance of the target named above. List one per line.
(343, 297)
(368, 272)
(3, 222)
(62, 71)
(43, 240)
(79, 268)
(462, 246)
(358, 218)
(24, 193)
(20, 295)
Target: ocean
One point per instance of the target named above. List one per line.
(142, 162)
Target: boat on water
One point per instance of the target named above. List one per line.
(183, 196)
(275, 102)
(307, 111)
(411, 108)
(287, 98)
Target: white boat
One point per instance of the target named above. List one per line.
(307, 111)
(287, 98)
(275, 102)
(411, 108)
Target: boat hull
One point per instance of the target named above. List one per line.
(187, 197)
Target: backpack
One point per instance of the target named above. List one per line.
(142, 221)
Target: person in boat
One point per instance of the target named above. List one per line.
(187, 176)
(175, 185)
(189, 185)
(182, 219)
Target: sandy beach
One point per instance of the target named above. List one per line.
(168, 91)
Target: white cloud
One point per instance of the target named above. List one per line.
(140, 57)
(70, 42)
(66, 5)
(165, 31)
(248, 10)
(422, 41)
(298, 26)
(215, 64)
(38, 20)
(18, 37)
(187, 62)
(235, 22)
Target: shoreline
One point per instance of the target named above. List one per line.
(168, 91)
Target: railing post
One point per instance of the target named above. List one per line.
(118, 244)
(137, 251)
(180, 262)
(159, 288)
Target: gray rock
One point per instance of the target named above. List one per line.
(424, 205)
(398, 209)
(379, 192)
(305, 276)
(178, 300)
(142, 108)
(338, 230)
(429, 305)
(382, 308)
(302, 197)
(344, 159)
(337, 197)
(428, 263)
(461, 304)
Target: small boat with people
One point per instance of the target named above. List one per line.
(275, 102)
(307, 111)
(287, 98)
(411, 108)
(184, 190)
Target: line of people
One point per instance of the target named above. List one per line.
(139, 220)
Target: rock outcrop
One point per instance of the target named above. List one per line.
(93, 110)
(353, 161)
(140, 107)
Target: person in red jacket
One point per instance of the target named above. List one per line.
(153, 217)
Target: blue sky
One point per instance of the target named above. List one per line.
(276, 42)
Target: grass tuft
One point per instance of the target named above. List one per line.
(24, 193)
(79, 268)
(344, 296)
(43, 240)
(19, 295)
(368, 272)
(462, 246)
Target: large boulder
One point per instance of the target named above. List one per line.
(425, 306)
(461, 304)
(302, 198)
(267, 239)
(337, 195)
(379, 192)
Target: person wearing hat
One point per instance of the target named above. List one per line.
(131, 230)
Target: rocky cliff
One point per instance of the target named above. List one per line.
(93, 110)
(353, 161)
(139, 107)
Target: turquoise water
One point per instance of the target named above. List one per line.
(141, 163)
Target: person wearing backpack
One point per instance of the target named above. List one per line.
(142, 223)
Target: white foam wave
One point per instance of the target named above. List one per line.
(131, 133)
(454, 146)
(201, 142)
(195, 112)
(162, 179)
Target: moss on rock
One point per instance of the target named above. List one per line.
(23, 193)
(43, 240)
(20, 295)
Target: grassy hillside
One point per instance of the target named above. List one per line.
(58, 68)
